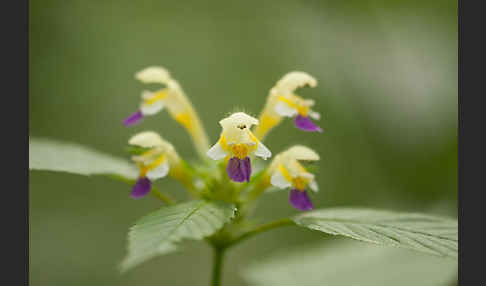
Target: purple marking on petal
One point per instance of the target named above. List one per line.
(141, 188)
(239, 170)
(306, 124)
(300, 200)
(245, 166)
(134, 118)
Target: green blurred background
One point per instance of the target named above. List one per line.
(387, 73)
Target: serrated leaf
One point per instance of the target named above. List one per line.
(350, 263)
(158, 232)
(425, 233)
(50, 155)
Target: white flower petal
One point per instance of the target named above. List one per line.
(300, 152)
(146, 139)
(293, 80)
(159, 172)
(174, 86)
(236, 128)
(147, 94)
(262, 151)
(315, 115)
(313, 186)
(151, 109)
(306, 175)
(283, 109)
(238, 136)
(153, 75)
(238, 119)
(216, 152)
(308, 102)
(278, 180)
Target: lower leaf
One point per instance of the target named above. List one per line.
(350, 263)
(158, 232)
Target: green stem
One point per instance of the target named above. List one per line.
(217, 265)
(219, 247)
(260, 229)
(259, 187)
(163, 197)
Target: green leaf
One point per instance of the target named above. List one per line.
(158, 232)
(350, 263)
(50, 155)
(425, 233)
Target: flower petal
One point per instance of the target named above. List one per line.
(153, 75)
(151, 109)
(262, 151)
(313, 186)
(216, 152)
(134, 118)
(315, 115)
(141, 188)
(158, 172)
(238, 118)
(279, 180)
(283, 109)
(293, 80)
(300, 152)
(245, 166)
(146, 139)
(300, 200)
(306, 124)
(148, 106)
(239, 170)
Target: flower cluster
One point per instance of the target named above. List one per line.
(239, 143)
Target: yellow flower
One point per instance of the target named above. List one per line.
(283, 102)
(285, 171)
(155, 163)
(236, 143)
(173, 98)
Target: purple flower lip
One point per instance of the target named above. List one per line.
(239, 170)
(134, 118)
(300, 200)
(306, 124)
(141, 188)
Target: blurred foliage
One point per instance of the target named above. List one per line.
(387, 73)
(351, 264)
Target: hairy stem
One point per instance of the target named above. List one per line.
(260, 229)
(218, 257)
(220, 245)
